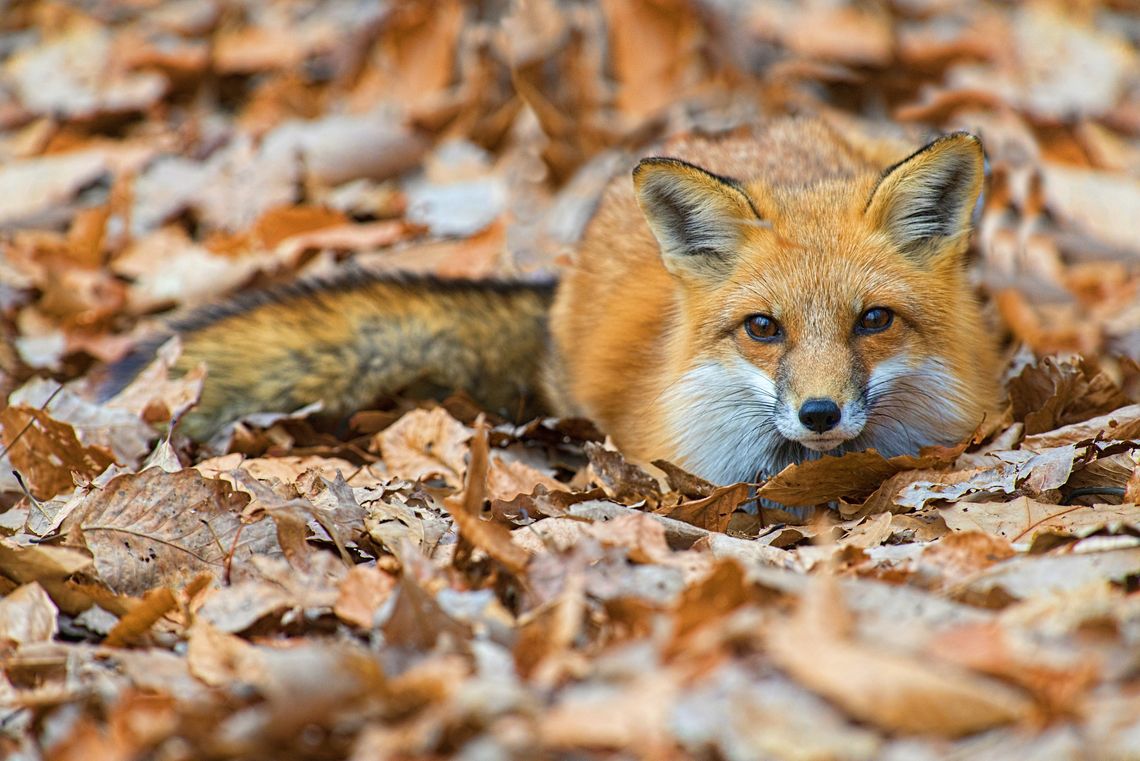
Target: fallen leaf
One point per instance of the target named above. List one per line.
(965, 552)
(714, 511)
(1024, 518)
(47, 452)
(155, 604)
(74, 75)
(1036, 473)
(989, 648)
(51, 566)
(1053, 394)
(362, 593)
(621, 480)
(1120, 425)
(416, 621)
(425, 444)
(507, 479)
(163, 529)
(894, 691)
(830, 478)
(28, 615)
(467, 511)
(1030, 576)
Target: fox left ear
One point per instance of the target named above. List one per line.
(925, 202)
(698, 218)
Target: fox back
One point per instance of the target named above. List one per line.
(756, 300)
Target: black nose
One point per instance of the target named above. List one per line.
(819, 414)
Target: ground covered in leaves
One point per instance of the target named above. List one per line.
(431, 582)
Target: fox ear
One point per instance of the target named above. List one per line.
(924, 202)
(697, 217)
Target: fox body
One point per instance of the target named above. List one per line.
(745, 302)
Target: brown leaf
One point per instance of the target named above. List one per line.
(51, 566)
(165, 267)
(1132, 490)
(34, 186)
(719, 593)
(1051, 394)
(641, 536)
(1027, 576)
(155, 604)
(355, 237)
(686, 483)
(157, 397)
(846, 34)
(622, 480)
(549, 632)
(47, 453)
(163, 529)
(1024, 518)
(126, 436)
(853, 475)
(362, 593)
(283, 222)
(425, 444)
(279, 224)
(869, 532)
(712, 512)
(988, 648)
(966, 552)
(271, 588)
(654, 53)
(891, 690)
(1033, 473)
(507, 479)
(417, 622)
(634, 713)
(28, 615)
(493, 538)
(1120, 425)
(75, 74)
(81, 296)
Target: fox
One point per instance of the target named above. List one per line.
(748, 301)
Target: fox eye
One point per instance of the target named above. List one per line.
(761, 327)
(874, 320)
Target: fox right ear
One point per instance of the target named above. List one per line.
(698, 218)
(925, 202)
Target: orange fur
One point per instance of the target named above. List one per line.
(651, 346)
(648, 330)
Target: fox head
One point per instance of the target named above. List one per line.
(831, 316)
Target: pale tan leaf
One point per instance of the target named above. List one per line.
(28, 615)
(163, 529)
(1024, 518)
(425, 444)
(362, 593)
(892, 690)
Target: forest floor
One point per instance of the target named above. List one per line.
(430, 583)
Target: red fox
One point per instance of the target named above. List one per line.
(747, 302)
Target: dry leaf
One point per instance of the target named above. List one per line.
(47, 453)
(1024, 518)
(163, 529)
(155, 604)
(28, 615)
(425, 444)
(362, 593)
(493, 538)
(851, 475)
(894, 691)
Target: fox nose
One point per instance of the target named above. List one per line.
(819, 415)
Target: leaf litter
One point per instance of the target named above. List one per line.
(431, 584)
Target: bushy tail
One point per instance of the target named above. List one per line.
(347, 341)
